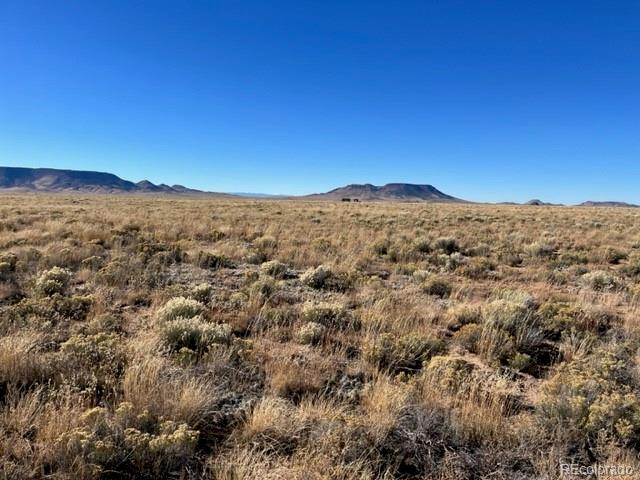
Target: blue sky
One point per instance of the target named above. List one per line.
(486, 100)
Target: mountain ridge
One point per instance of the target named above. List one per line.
(84, 181)
(24, 179)
(391, 191)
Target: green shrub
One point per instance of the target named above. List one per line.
(632, 268)
(454, 261)
(600, 280)
(266, 243)
(55, 280)
(591, 396)
(520, 361)
(311, 333)
(316, 277)
(511, 259)
(211, 261)
(94, 362)
(436, 287)
(446, 245)
(617, 414)
(510, 325)
(201, 293)
(541, 250)
(263, 288)
(519, 297)
(97, 349)
(381, 247)
(324, 278)
(450, 374)
(193, 333)
(463, 315)
(506, 315)
(328, 314)
(103, 444)
(478, 268)
(613, 256)
(468, 337)
(180, 307)
(423, 246)
(93, 263)
(558, 317)
(48, 311)
(7, 265)
(274, 269)
(105, 324)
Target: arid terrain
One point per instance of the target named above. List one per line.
(232, 339)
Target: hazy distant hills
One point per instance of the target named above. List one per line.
(390, 191)
(54, 180)
(607, 204)
(540, 203)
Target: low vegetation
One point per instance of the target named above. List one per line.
(187, 338)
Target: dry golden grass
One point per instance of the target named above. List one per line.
(177, 337)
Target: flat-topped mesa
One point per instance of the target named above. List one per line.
(391, 191)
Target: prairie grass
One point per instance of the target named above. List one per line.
(145, 337)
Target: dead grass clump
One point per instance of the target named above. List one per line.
(21, 364)
(404, 353)
(212, 261)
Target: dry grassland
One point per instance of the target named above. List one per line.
(239, 339)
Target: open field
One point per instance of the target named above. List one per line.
(240, 339)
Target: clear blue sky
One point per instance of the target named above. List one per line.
(486, 100)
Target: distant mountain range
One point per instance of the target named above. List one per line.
(391, 191)
(608, 204)
(54, 180)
